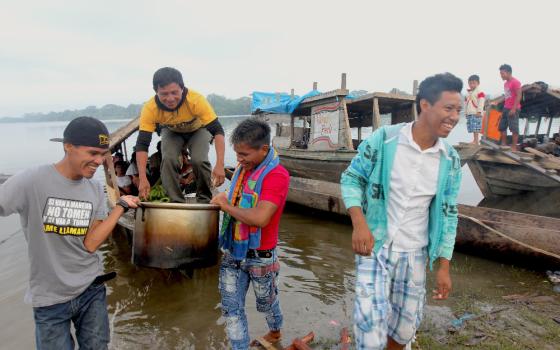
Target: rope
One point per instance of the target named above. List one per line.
(491, 229)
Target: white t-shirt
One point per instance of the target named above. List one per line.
(132, 169)
(124, 181)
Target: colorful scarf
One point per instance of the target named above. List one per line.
(235, 236)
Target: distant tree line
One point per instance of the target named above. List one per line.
(222, 105)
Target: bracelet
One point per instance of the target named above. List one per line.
(123, 204)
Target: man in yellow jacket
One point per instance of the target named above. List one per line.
(187, 120)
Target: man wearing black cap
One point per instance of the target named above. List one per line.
(63, 215)
(187, 120)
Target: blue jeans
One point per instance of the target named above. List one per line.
(88, 312)
(235, 277)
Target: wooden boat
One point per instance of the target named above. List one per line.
(318, 145)
(480, 229)
(164, 235)
(500, 172)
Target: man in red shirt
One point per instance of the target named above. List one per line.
(512, 105)
(249, 234)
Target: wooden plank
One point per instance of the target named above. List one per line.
(382, 95)
(517, 158)
(543, 155)
(347, 131)
(123, 132)
(113, 192)
(493, 156)
(396, 97)
(326, 95)
(376, 116)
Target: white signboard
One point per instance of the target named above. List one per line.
(325, 124)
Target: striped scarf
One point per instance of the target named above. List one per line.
(235, 236)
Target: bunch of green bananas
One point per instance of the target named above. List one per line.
(158, 195)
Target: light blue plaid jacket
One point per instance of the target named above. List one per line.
(365, 184)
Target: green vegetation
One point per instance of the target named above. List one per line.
(222, 105)
(225, 106)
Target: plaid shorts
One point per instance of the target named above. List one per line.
(474, 123)
(390, 296)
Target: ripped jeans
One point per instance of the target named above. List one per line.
(235, 277)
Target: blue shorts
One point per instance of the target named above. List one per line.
(390, 297)
(474, 123)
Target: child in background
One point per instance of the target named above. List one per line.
(474, 107)
(123, 181)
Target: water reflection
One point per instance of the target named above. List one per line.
(170, 310)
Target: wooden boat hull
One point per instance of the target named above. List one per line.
(504, 179)
(317, 165)
(537, 231)
(497, 174)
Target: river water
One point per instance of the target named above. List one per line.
(161, 309)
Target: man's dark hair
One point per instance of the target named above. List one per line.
(505, 68)
(253, 132)
(474, 77)
(167, 75)
(431, 88)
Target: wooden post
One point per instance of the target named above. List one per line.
(526, 129)
(359, 134)
(343, 81)
(346, 125)
(415, 88)
(124, 150)
(292, 130)
(292, 94)
(314, 85)
(538, 127)
(110, 175)
(376, 122)
(549, 127)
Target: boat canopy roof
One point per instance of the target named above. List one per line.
(360, 108)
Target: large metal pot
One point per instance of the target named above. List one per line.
(172, 235)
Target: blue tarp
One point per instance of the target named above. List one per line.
(280, 102)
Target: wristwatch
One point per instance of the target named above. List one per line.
(123, 204)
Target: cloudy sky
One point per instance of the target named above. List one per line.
(57, 55)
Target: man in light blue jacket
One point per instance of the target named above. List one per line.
(401, 193)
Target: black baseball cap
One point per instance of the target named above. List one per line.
(86, 131)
